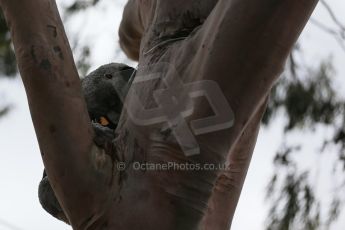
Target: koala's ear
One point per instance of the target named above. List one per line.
(127, 73)
(126, 78)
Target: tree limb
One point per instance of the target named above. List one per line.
(241, 45)
(79, 172)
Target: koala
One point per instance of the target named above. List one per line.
(104, 91)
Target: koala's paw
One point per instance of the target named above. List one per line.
(103, 135)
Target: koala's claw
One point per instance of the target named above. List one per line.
(103, 135)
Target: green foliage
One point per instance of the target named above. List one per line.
(80, 5)
(300, 210)
(8, 65)
(294, 205)
(4, 111)
(309, 101)
(83, 63)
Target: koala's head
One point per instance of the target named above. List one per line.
(104, 90)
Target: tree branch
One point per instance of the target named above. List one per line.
(74, 165)
(240, 44)
(333, 16)
(336, 35)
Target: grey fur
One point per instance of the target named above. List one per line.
(104, 90)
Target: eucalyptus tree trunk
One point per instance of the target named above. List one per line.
(238, 47)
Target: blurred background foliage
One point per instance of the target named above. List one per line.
(308, 100)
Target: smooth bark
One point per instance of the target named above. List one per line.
(79, 172)
(243, 46)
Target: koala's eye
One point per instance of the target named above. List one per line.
(108, 75)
